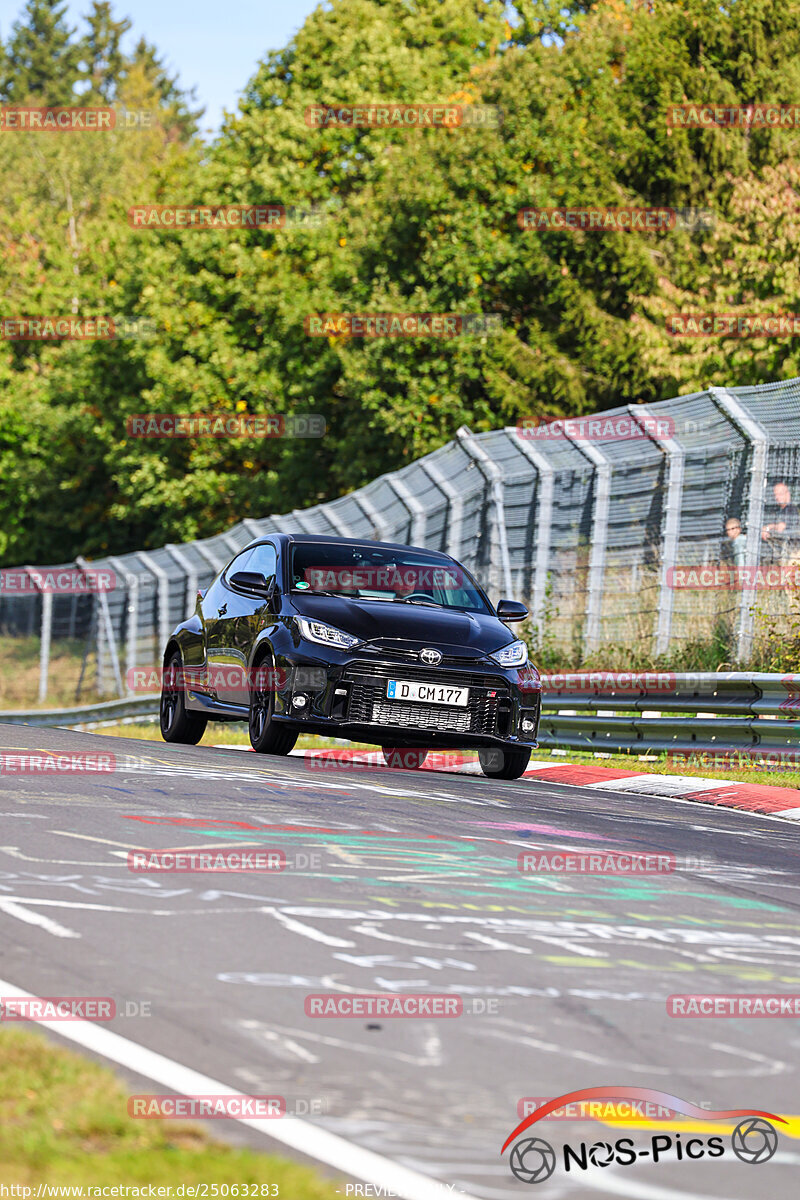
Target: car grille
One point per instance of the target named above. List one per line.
(369, 705)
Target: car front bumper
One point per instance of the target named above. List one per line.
(348, 698)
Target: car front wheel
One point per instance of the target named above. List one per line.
(502, 763)
(266, 736)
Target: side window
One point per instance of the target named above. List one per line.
(265, 561)
(239, 564)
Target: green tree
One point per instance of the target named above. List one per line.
(103, 60)
(41, 58)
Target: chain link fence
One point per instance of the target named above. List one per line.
(594, 523)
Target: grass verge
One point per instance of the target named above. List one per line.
(64, 1120)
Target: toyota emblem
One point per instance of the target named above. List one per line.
(431, 657)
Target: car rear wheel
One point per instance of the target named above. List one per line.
(178, 725)
(266, 736)
(502, 763)
(396, 756)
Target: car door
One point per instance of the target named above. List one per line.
(222, 609)
(261, 612)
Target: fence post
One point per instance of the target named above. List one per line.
(455, 506)
(132, 612)
(597, 556)
(672, 521)
(300, 517)
(545, 488)
(413, 507)
(44, 645)
(335, 520)
(252, 527)
(162, 580)
(231, 542)
(493, 476)
(215, 563)
(105, 629)
(190, 575)
(756, 435)
(379, 526)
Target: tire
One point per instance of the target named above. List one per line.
(500, 763)
(267, 737)
(396, 756)
(178, 725)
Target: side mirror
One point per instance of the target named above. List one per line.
(253, 581)
(511, 610)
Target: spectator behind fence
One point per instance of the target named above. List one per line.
(735, 543)
(784, 532)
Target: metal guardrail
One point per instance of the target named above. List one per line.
(109, 710)
(625, 712)
(601, 711)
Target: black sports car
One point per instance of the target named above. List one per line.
(371, 641)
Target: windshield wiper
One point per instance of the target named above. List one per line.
(413, 600)
(320, 592)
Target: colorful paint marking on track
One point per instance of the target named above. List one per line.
(748, 797)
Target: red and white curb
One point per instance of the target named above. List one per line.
(726, 793)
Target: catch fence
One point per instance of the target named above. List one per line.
(595, 524)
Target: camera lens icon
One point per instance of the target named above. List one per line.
(601, 1154)
(533, 1160)
(754, 1140)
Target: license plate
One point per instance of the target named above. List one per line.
(427, 693)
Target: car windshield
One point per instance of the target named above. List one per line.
(383, 574)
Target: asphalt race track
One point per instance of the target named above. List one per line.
(409, 884)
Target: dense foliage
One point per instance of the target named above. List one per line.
(411, 220)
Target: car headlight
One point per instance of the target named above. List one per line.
(325, 635)
(515, 654)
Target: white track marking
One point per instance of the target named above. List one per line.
(299, 1135)
(12, 909)
(15, 852)
(308, 931)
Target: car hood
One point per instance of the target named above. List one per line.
(421, 625)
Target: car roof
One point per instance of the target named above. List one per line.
(324, 540)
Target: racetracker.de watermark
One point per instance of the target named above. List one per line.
(75, 329)
(233, 425)
(210, 216)
(734, 325)
(733, 116)
(738, 758)
(56, 764)
(612, 428)
(761, 1004)
(225, 680)
(578, 683)
(593, 862)
(401, 325)
(597, 219)
(411, 1005)
(206, 1107)
(600, 1110)
(772, 576)
(17, 118)
(393, 578)
(404, 116)
(67, 581)
(162, 862)
(57, 1008)
(409, 759)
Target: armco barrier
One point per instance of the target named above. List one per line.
(602, 711)
(85, 714)
(736, 709)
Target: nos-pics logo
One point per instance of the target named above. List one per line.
(533, 1160)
